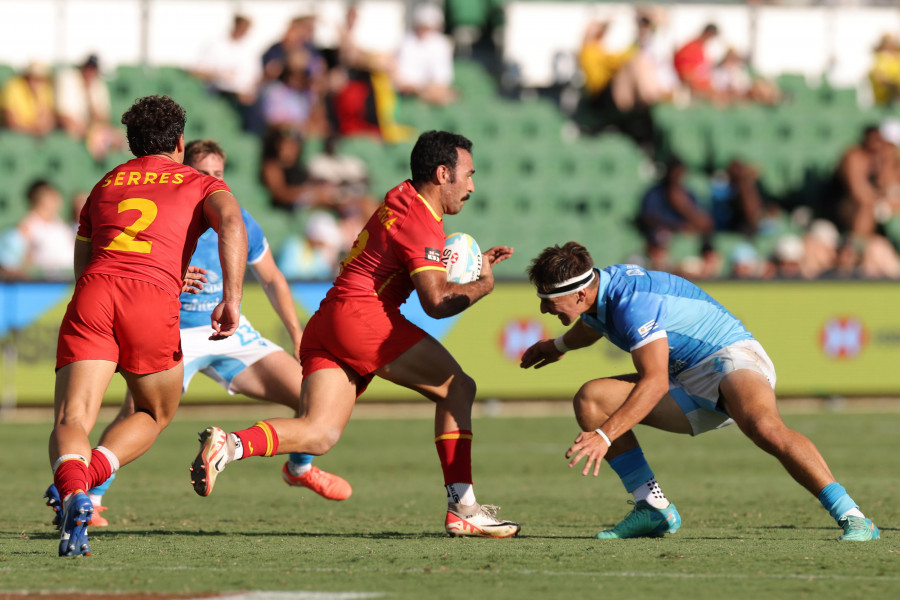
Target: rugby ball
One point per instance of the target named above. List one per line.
(462, 258)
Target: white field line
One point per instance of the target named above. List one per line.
(520, 572)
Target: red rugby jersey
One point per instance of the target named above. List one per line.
(403, 237)
(143, 220)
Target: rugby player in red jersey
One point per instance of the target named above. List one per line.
(136, 233)
(358, 332)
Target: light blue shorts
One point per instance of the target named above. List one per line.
(222, 360)
(696, 390)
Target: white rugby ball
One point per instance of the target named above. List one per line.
(462, 258)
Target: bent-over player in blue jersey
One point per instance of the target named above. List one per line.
(245, 363)
(698, 369)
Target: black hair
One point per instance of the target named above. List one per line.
(153, 125)
(433, 149)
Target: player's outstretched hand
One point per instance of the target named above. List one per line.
(225, 318)
(496, 254)
(588, 445)
(540, 355)
(193, 281)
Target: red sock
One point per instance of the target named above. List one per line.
(259, 440)
(99, 470)
(70, 476)
(455, 451)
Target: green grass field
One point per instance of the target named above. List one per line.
(748, 531)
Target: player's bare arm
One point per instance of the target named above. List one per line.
(547, 352)
(279, 294)
(652, 364)
(83, 252)
(223, 213)
(441, 298)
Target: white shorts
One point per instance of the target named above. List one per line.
(696, 390)
(222, 360)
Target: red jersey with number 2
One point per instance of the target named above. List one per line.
(403, 237)
(143, 220)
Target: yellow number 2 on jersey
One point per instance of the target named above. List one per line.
(125, 241)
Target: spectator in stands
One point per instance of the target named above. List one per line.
(788, 256)
(821, 244)
(49, 239)
(740, 204)
(645, 79)
(26, 101)
(291, 101)
(231, 67)
(286, 177)
(298, 37)
(317, 253)
(864, 193)
(424, 62)
(83, 108)
(599, 65)
(669, 208)
(733, 82)
(362, 96)
(885, 73)
(746, 263)
(350, 176)
(694, 67)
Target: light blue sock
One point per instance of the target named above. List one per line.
(300, 459)
(632, 469)
(99, 490)
(836, 500)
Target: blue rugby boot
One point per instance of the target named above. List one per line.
(644, 521)
(53, 501)
(858, 529)
(73, 537)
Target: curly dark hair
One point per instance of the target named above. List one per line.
(153, 125)
(558, 263)
(433, 149)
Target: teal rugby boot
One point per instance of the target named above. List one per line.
(858, 529)
(644, 521)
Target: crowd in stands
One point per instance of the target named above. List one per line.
(295, 92)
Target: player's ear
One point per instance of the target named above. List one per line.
(442, 174)
(179, 145)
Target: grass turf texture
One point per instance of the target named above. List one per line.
(749, 530)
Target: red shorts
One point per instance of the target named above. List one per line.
(358, 334)
(126, 321)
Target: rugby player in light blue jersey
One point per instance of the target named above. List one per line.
(245, 363)
(697, 367)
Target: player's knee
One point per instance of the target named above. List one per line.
(768, 434)
(323, 440)
(462, 389)
(587, 402)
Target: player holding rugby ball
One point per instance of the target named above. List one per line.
(358, 332)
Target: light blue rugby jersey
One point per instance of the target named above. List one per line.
(636, 306)
(196, 308)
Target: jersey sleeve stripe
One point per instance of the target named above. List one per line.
(428, 268)
(650, 338)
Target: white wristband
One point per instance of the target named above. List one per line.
(604, 436)
(560, 344)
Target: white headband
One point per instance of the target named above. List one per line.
(570, 286)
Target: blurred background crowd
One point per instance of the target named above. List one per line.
(650, 143)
